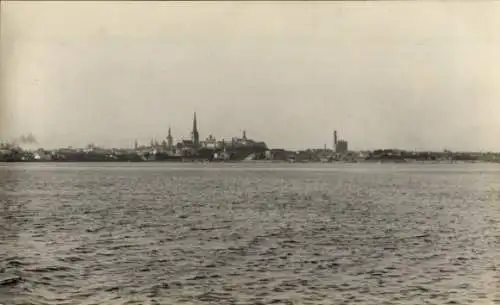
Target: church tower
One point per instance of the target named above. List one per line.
(196, 136)
(170, 139)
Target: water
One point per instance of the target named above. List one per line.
(250, 234)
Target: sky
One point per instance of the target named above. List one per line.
(390, 74)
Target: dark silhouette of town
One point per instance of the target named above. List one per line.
(226, 150)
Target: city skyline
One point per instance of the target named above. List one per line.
(169, 140)
(385, 75)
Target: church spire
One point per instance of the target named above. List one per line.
(196, 136)
(170, 139)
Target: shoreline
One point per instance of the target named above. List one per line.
(201, 161)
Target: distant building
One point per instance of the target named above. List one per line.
(186, 147)
(42, 155)
(341, 147)
(68, 150)
(170, 139)
(210, 142)
(242, 142)
(195, 134)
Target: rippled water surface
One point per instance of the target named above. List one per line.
(249, 234)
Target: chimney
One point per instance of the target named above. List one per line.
(334, 140)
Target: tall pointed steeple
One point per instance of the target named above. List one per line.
(170, 139)
(196, 136)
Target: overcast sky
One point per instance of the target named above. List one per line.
(414, 75)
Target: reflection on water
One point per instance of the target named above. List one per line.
(249, 234)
